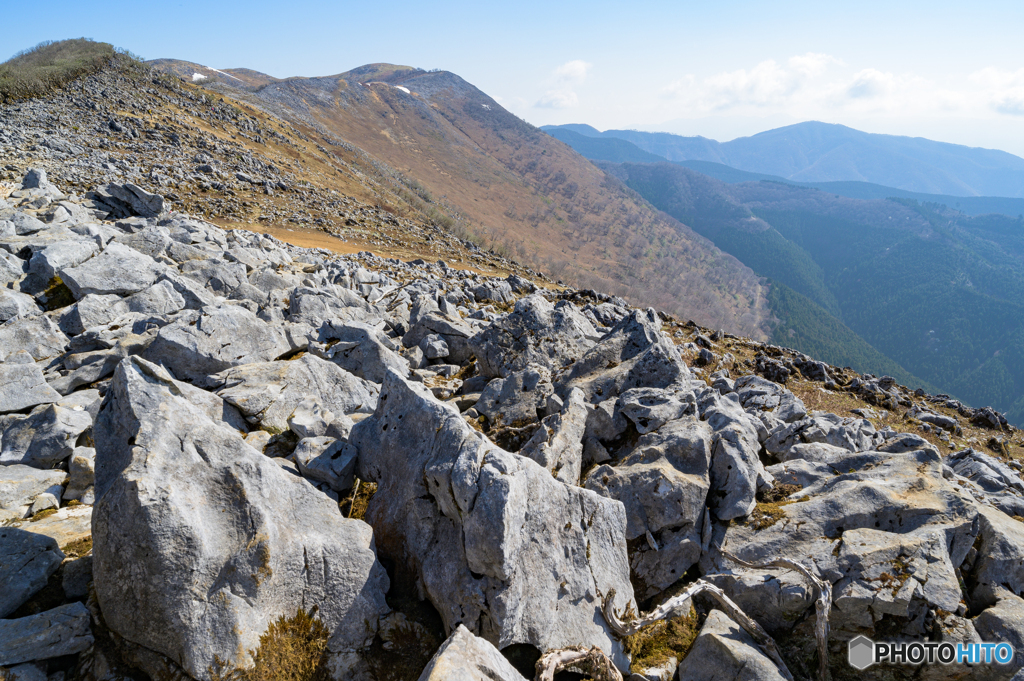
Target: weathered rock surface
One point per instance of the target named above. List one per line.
(456, 515)
(26, 561)
(268, 393)
(465, 657)
(535, 332)
(62, 631)
(21, 485)
(118, 269)
(724, 651)
(23, 386)
(206, 343)
(558, 443)
(227, 540)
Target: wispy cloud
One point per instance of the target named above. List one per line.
(563, 83)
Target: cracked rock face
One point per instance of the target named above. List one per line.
(200, 541)
(457, 516)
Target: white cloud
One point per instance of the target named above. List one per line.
(575, 70)
(1003, 90)
(812, 64)
(563, 83)
(871, 83)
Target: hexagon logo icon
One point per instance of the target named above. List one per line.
(861, 652)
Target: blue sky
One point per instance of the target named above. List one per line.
(943, 70)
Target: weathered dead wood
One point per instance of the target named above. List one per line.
(593, 662)
(678, 602)
(822, 604)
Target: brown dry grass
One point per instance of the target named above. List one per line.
(292, 649)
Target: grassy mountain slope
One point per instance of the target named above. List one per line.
(510, 184)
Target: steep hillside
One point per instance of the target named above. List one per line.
(509, 184)
(822, 152)
(938, 293)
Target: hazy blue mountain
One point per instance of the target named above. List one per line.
(587, 141)
(604, 148)
(821, 152)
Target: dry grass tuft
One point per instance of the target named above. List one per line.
(292, 649)
(656, 643)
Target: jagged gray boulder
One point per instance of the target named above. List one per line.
(81, 475)
(65, 630)
(723, 650)
(129, 199)
(634, 354)
(317, 307)
(118, 269)
(48, 261)
(856, 435)
(535, 332)
(44, 438)
(760, 394)
(23, 386)
(208, 342)
(465, 657)
(857, 518)
(225, 540)
(327, 460)
(558, 443)
(361, 351)
(514, 401)
(21, 485)
(736, 469)
(39, 336)
(651, 408)
(268, 393)
(14, 304)
(663, 485)
(27, 560)
(458, 516)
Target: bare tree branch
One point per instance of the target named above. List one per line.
(727, 605)
(593, 662)
(822, 605)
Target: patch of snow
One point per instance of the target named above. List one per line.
(403, 89)
(486, 106)
(226, 74)
(196, 77)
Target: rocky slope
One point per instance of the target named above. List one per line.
(208, 435)
(514, 186)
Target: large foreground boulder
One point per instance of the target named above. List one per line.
(491, 538)
(200, 542)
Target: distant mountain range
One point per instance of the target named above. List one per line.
(815, 152)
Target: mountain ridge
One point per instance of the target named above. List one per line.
(822, 152)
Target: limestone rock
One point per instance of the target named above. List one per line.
(635, 354)
(515, 400)
(62, 631)
(465, 657)
(268, 393)
(558, 443)
(458, 515)
(327, 460)
(361, 351)
(26, 561)
(23, 386)
(118, 269)
(535, 332)
(39, 336)
(723, 650)
(226, 540)
(44, 438)
(20, 485)
(218, 339)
